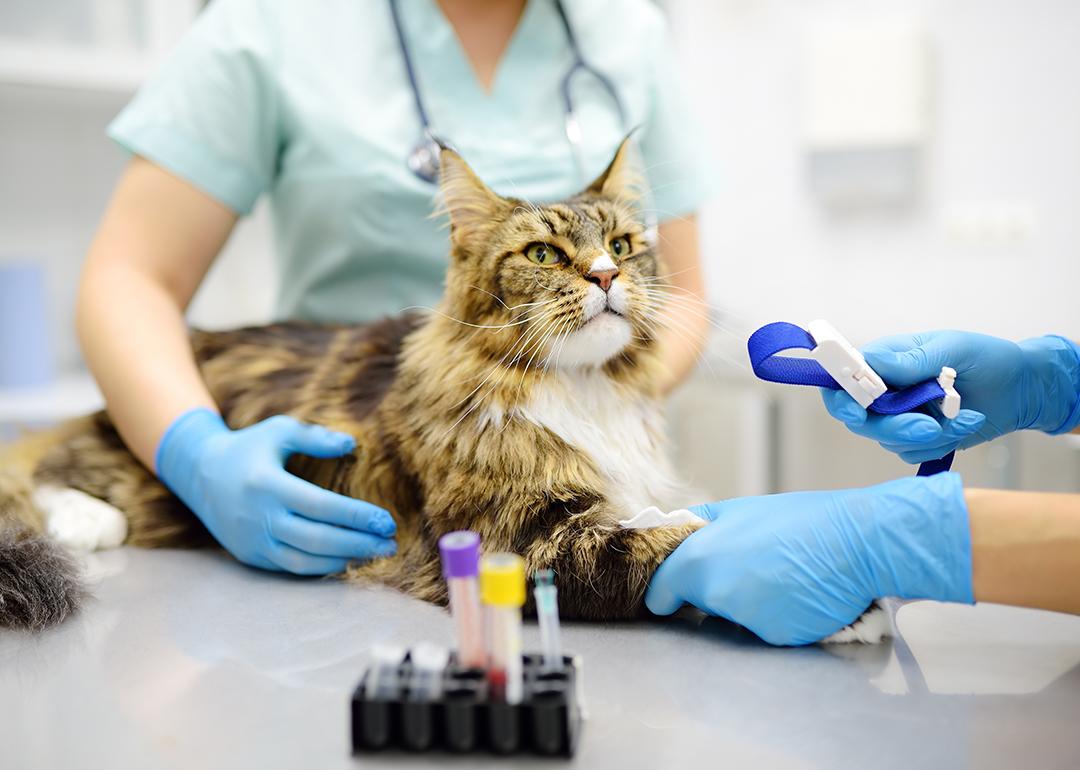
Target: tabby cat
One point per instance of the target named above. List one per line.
(524, 407)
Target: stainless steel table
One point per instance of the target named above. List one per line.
(189, 660)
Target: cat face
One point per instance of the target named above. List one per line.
(565, 284)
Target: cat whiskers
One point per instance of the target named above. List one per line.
(695, 338)
(494, 369)
(686, 300)
(510, 307)
(562, 342)
(494, 327)
(551, 335)
(671, 312)
(663, 278)
(518, 351)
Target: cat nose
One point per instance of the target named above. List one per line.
(602, 278)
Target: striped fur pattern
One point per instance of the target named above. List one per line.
(456, 411)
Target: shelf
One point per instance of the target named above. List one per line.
(70, 396)
(59, 66)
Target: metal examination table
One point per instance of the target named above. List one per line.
(189, 660)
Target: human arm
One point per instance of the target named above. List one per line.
(158, 238)
(156, 242)
(1025, 548)
(1004, 386)
(684, 313)
(797, 567)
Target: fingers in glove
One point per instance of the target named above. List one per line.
(950, 435)
(912, 428)
(843, 407)
(313, 440)
(904, 360)
(320, 539)
(297, 562)
(313, 502)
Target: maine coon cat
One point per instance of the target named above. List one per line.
(524, 407)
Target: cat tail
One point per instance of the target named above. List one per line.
(40, 582)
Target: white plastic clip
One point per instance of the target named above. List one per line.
(950, 405)
(845, 364)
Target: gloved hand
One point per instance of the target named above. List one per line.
(236, 483)
(1004, 386)
(795, 568)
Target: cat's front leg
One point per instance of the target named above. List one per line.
(602, 569)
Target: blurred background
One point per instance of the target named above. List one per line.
(890, 166)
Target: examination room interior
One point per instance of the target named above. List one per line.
(888, 166)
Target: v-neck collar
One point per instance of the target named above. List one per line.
(434, 42)
(515, 35)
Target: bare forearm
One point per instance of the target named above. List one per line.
(682, 309)
(139, 353)
(156, 241)
(1026, 548)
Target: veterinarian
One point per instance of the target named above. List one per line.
(326, 112)
(795, 568)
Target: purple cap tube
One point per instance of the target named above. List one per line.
(460, 552)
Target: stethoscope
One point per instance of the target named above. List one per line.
(423, 160)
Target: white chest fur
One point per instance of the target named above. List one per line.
(620, 432)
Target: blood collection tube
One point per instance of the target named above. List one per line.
(428, 663)
(460, 552)
(547, 613)
(383, 682)
(502, 589)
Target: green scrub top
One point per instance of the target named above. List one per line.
(310, 104)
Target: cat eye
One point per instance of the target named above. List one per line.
(620, 246)
(544, 254)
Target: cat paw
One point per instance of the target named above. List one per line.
(872, 628)
(80, 522)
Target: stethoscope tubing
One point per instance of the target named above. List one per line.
(424, 158)
(395, 13)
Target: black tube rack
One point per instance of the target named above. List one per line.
(464, 719)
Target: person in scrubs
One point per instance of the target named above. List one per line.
(797, 567)
(315, 107)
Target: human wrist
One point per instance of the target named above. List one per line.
(920, 538)
(180, 444)
(1052, 364)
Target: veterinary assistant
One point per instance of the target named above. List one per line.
(324, 109)
(795, 568)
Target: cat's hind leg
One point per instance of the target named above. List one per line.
(98, 495)
(78, 521)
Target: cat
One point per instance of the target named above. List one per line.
(524, 407)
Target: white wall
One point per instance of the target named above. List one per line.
(1006, 137)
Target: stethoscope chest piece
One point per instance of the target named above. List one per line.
(424, 159)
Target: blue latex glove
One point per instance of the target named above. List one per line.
(1004, 386)
(236, 483)
(797, 567)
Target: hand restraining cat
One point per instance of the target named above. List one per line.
(524, 407)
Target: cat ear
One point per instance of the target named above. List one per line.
(471, 205)
(622, 179)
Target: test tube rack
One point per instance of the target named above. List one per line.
(465, 719)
